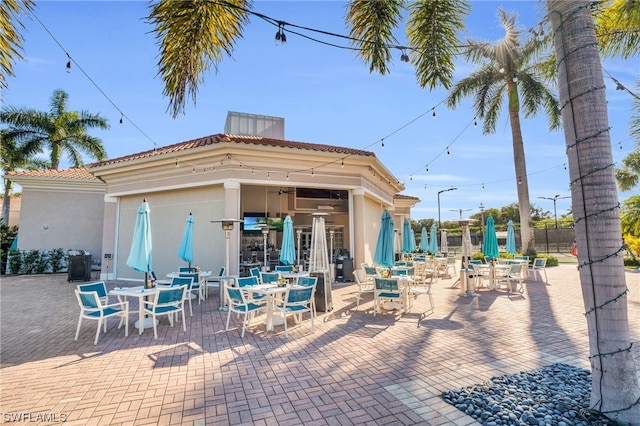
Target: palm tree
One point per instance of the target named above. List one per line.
(14, 157)
(615, 390)
(59, 130)
(10, 39)
(507, 70)
(194, 35)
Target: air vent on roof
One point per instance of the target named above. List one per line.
(243, 124)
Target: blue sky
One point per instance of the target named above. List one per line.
(325, 94)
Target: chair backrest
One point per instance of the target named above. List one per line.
(539, 262)
(88, 300)
(255, 272)
(386, 284)
(398, 272)
(475, 262)
(284, 268)
(178, 281)
(194, 276)
(401, 263)
(516, 268)
(307, 281)
(186, 269)
(245, 281)
(521, 257)
(98, 287)
(297, 295)
(170, 295)
(235, 296)
(370, 270)
(222, 271)
(269, 277)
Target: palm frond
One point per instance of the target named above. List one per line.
(371, 28)
(193, 36)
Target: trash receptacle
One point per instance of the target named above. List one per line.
(79, 268)
(323, 300)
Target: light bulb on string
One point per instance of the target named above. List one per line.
(342, 163)
(382, 143)
(434, 114)
(448, 152)
(475, 122)
(121, 118)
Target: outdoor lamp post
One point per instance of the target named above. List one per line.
(554, 199)
(440, 192)
(460, 210)
(298, 235)
(265, 233)
(227, 227)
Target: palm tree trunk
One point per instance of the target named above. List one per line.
(615, 390)
(6, 202)
(526, 225)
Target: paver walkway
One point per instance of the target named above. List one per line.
(354, 369)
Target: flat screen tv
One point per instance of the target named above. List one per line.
(253, 224)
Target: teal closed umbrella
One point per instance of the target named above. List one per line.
(384, 254)
(433, 240)
(413, 241)
(406, 237)
(140, 253)
(185, 251)
(424, 240)
(490, 243)
(14, 244)
(511, 238)
(288, 249)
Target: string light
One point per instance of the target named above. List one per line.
(177, 164)
(434, 114)
(382, 143)
(121, 118)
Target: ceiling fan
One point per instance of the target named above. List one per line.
(283, 191)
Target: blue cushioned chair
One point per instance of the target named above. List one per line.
(168, 301)
(99, 287)
(91, 307)
(269, 277)
(196, 287)
(297, 300)
(386, 289)
(239, 304)
(249, 281)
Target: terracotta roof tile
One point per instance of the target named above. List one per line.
(405, 197)
(220, 138)
(78, 173)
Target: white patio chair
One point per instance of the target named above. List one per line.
(515, 274)
(539, 265)
(385, 289)
(99, 287)
(92, 308)
(297, 300)
(239, 304)
(197, 286)
(167, 301)
(364, 285)
(214, 281)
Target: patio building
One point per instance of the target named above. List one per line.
(248, 178)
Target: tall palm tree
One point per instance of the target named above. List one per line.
(10, 38)
(615, 390)
(14, 157)
(59, 130)
(508, 69)
(432, 29)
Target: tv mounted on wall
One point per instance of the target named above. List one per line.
(252, 222)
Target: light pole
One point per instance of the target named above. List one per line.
(227, 227)
(298, 234)
(440, 192)
(554, 199)
(460, 210)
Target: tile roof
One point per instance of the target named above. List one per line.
(78, 173)
(221, 138)
(405, 197)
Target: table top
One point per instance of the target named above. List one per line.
(178, 274)
(132, 291)
(265, 288)
(294, 274)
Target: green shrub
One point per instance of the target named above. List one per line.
(632, 262)
(15, 262)
(56, 258)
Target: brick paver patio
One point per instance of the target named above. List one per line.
(355, 368)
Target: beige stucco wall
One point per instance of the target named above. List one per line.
(14, 210)
(168, 214)
(61, 219)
